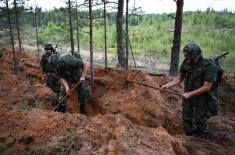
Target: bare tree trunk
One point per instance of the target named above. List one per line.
(105, 37)
(91, 48)
(177, 38)
(71, 28)
(36, 24)
(131, 51)
(127, 34)
(120, 50)
(17, 25)
(78, 38)
(12, 39)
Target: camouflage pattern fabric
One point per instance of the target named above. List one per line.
(72, 68)
(71, 71)
(53, 81)
(194, 114)
(51, 77)
(193, 49)
(46, 66)
(196, 74)
(77, 55)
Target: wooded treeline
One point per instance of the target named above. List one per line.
(40, 19)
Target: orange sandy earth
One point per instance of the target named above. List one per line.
(122, 118)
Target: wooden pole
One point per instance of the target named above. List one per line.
(91, 48)
(12, 38)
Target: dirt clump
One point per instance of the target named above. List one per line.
(123, 118)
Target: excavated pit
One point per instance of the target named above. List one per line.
(122, 117)
(116, 93)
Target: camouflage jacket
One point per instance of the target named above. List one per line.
(72, 68)
(46, 66)
(196, 74)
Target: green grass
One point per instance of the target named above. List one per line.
(39, 104)
(24, 106)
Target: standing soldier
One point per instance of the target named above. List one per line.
(71, 70)
(198, 75)
(49, 72)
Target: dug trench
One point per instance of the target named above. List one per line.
(121, 117)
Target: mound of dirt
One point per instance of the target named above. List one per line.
(24, 88)
(37, 131)
(123, 117)
(115, 93)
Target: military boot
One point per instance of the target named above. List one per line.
(60, 109)
(204, 135)
(82, 108)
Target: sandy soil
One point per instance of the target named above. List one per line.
(123, 118)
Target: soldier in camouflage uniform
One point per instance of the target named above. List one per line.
(49, 72)
(71, 69)
(198, 75)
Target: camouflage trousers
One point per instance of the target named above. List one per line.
(194, 115)
(82, 91)
(53, 81)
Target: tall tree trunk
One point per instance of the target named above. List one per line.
(127, 34)
(131, 51)
(105, 37)
(71, 28)
(175, 50)
(77, 26)
(120, 50)
(12, 39)
(91, 48)
(36, 25)
(17, 25)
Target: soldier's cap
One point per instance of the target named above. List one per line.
(193, 49)
(55, 59)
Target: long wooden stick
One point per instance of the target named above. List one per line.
(154, 87)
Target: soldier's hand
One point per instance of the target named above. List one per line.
(165, 86)
(67, 90)
(82, 78)
(185, 95)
